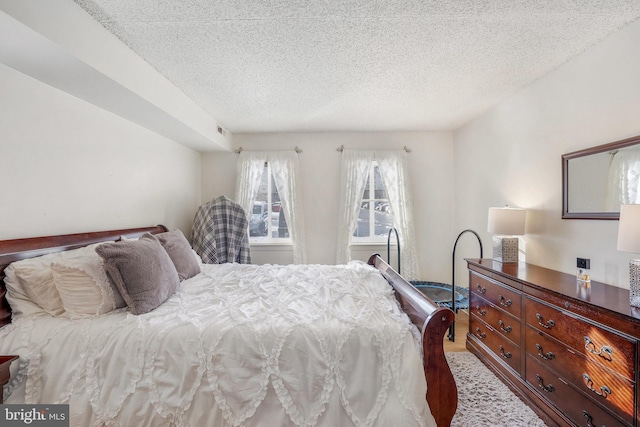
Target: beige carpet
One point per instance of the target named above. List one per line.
(483, 400)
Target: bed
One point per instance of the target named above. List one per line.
(267, 363)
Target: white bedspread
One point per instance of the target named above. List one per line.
(237, 345)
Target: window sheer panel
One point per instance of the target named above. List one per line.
(395, 176)
(285, 168)
(374, 218)
(250, 169)
(353, 179)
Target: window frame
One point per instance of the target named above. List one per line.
(372, 238)
(268, 239)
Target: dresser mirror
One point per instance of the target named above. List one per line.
(597, 180)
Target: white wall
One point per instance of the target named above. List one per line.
(68, 166)
(512, 155)
(431, 171)
(59, 43)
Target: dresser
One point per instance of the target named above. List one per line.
(569, 350)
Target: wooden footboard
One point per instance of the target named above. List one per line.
(433, 322)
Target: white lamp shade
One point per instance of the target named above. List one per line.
(629, 229)
(506, 221)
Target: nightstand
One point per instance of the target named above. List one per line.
(5, 375)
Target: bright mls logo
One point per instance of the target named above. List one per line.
(34, 415)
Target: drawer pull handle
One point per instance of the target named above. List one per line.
(480, 333)
(547, 325)
(547, 356)
(604, 390)
(548, 388)
(605, 351)
(506, 355)
(504, 302)
(481, 312)
(589, 418)
(481, 289)
(506, 329)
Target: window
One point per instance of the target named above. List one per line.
(268, 185)
(268, 222)
(374, 217)
(367, 201)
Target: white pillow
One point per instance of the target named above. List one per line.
(82, 295)
(20, 302)
(82, 284)
(36, 279)
(123, 237)
(81, 279)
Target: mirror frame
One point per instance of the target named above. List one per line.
(565, 178)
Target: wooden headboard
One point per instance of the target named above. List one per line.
(17, 249)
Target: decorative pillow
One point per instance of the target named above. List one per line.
(142, 271)
(198, 259)
(36, 278)
(179, 250)
(42, 280)
(81, 295)
(20, 302)
(82, 283)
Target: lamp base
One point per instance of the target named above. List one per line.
(634, 282)
(505, 249)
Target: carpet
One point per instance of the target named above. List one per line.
(483, 400)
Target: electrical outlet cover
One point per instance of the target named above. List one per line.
(583, 263)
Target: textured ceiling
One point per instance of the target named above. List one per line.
(356, 65)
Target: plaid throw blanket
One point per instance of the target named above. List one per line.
(220, 232)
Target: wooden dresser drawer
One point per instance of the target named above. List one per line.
(502, 296)
(602, 385)
(599, 345)
(504, 349)
(501, 321)
(572, 403)
(578, 351)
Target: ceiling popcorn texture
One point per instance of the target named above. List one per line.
(356, 65)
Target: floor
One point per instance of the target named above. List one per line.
(462, 326)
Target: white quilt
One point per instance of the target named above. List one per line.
(237, 345)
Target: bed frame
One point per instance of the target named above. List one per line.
(432, 321)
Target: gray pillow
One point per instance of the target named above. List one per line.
(141, 270)
(179, 250)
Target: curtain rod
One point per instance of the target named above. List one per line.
(341, 149)
(240, 150)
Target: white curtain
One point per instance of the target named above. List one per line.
(395, 176)
(624, 180)
(355, 169)
(285, 170)
(250, 168)
(353, 178)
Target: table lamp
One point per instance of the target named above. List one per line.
(506, 223)
(629, 241)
